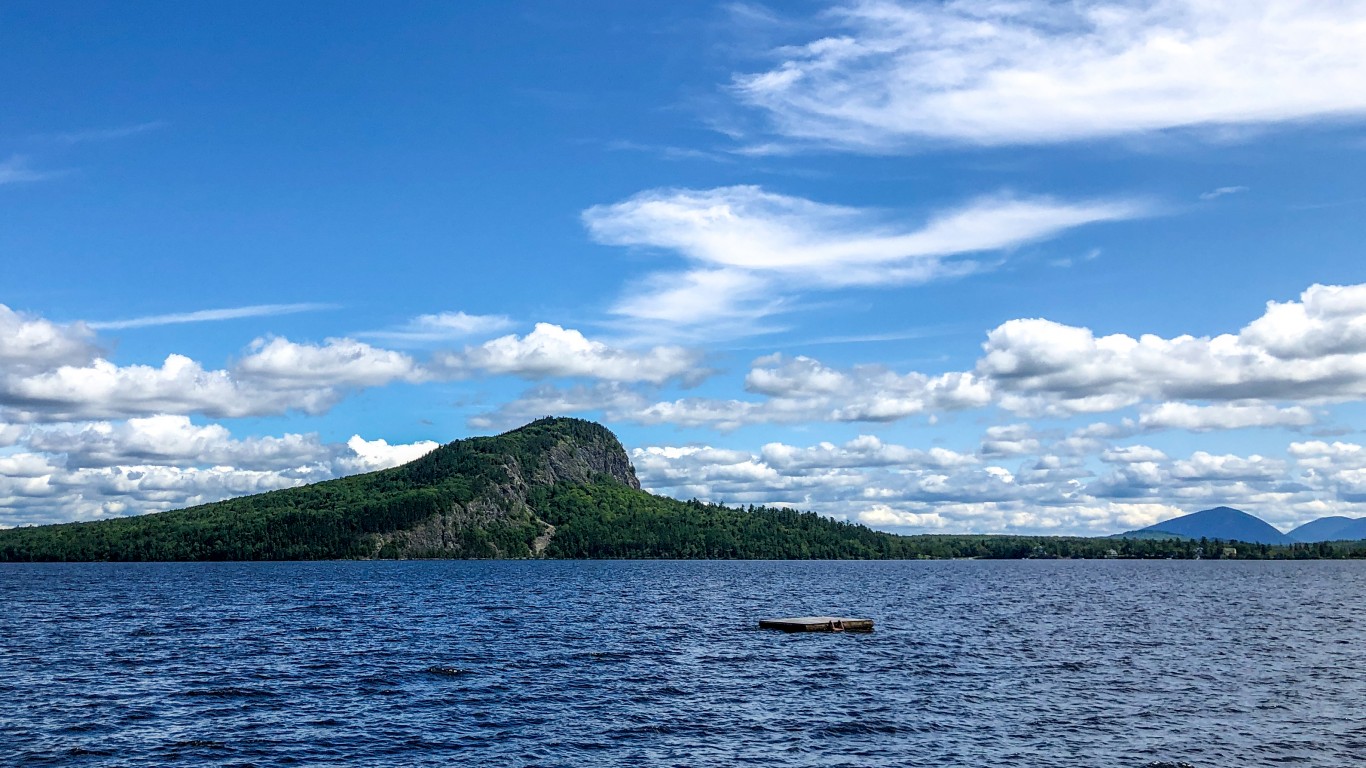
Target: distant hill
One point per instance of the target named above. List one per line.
(1225, 523)
(1330, 529)
(553, 488)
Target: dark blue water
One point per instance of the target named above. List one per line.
(658, 663)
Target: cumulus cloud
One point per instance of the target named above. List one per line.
(1203, 418)
(803, 389)
(862, 451)
(553, 351)
(170, 440)
(370, 455)
(890, 75)
(266, 384)
(618, 403)
(1207, 466)
(865, 392)
(749, 248)
(101, 390)
(53, 373)
(10, 434)
(1339, 468)
(102, 469)
(1257, 378)
(893, 486)
(31, 343)
(1009, 440)
(1041, 490)
(1310, 351)
(791, 389)
(1328, 320)
(336, 364)
(1133, 454)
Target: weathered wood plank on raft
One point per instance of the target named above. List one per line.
(818, 624)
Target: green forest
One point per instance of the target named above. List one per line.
(556, 488)
(604, 521)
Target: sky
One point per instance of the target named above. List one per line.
(1005, 267)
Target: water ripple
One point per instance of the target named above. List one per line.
(1158, 664)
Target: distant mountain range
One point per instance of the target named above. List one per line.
(1331, 529)
(1229, 524)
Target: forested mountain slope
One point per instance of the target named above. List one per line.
(554, 488)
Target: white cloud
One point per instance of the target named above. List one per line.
(169, 440)
(371, 455)
(1203, 418)
(893, 486)
(863, 393)
(801, 389)
(336, 364)
(1032, 367)
(1207, 466)
(1328, 320)
(1010, 440)
(1309, 351)
(208, 315)
(750, 248)
(443, 326)
(1215, 194)
(1318, 454)
(10, 434)
(102, 390)
(614, 400)
(552, 351)
(862, 451)
(728, 301)
(1133, 454)
(891, 74)
(29, 343)
(277, 376)
(910, 489)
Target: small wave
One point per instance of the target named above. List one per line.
(859, 728)
(199, 744)
(437, 669)
(84, 752)
(226, 693)
(602, 656)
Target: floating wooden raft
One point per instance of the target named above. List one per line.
(818, 624)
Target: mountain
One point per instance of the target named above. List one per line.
(1224, 523)
(1330, 529)
(553, 488)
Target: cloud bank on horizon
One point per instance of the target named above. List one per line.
(964, 266)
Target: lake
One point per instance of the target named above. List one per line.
(974, 663)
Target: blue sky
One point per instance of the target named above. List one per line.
(928, 266)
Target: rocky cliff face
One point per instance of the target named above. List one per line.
(580, 461)
(501, 521)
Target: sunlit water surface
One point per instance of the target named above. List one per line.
(1033, 663)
